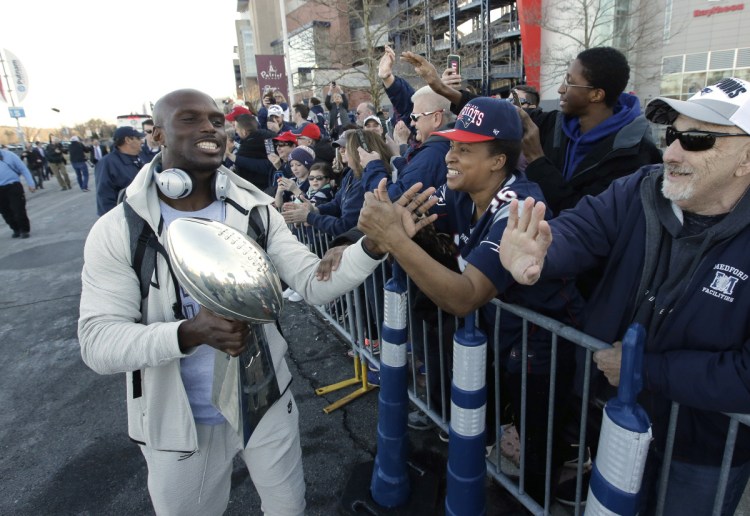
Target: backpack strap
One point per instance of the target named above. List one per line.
(255, 227)
(144, 246)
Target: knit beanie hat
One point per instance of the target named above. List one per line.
(304, 155)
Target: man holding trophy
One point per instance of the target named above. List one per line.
(203, 357)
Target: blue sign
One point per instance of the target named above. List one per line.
(16, 112)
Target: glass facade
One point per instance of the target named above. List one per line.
(684, 75)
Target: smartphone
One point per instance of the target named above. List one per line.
(269, 145)
(454, 62)
(516, 100)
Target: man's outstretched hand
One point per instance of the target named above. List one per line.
(386, 223)
(525, 241)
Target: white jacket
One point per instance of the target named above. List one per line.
(115, 337)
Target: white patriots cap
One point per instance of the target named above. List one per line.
(725, 103)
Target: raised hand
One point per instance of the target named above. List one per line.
(401, 133)
(422, 67)
(385, 66)
(525, 241)
(451, 79)
(387, 223)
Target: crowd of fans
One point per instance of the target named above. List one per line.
(482, 157)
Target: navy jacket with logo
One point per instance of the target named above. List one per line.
(478, 244)
(698, 342)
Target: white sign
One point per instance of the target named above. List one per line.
(18, 76)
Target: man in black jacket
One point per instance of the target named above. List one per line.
(251, 159)
(55, 155)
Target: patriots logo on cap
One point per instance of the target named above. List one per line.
(706, 90)
(470, 115)
(464, 119)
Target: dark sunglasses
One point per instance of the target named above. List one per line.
(362, 142)
(695, 141)
(148, 131)
(316, 178)
(284, 144)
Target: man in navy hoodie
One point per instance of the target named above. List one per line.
(598, 135)
(673, 240)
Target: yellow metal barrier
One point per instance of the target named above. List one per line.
(360, 376)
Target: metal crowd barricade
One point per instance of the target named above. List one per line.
(357, 317)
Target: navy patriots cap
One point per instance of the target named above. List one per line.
(484, 119)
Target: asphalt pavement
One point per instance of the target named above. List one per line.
(64, 447)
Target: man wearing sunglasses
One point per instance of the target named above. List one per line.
(150, 148)
(426, 163)
(673, 241)
(425, 112)
(528, 96)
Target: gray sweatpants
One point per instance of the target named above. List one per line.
(199, 485)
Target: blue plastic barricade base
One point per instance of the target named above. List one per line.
(423, 501)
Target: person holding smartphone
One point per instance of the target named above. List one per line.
(338, 106)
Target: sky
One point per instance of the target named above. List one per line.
(97, 59)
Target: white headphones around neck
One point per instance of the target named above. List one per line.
(177, 184)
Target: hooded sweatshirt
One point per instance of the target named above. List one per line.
(580, 144)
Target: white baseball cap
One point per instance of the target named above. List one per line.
(275, 110)
(373, 117)
(725, 103)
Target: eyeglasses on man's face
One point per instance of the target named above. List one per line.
(148, 131)
(694, 140)
(316, 178)
(416, 116)
(566, 84)
(284, 144)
